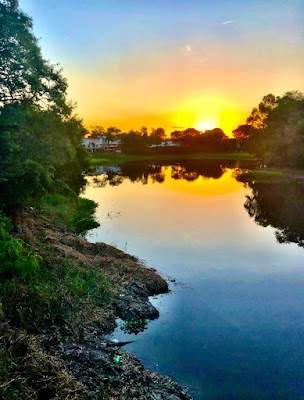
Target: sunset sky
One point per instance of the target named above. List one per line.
(174, 64)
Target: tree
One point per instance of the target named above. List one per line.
(144, 131)
(277, 133)
(111, 133)
(133, 142)
(258, 115)
(157, 136)
(24, 74)
(243, 132)
(285, 131)
(97, 131)
(41, 139)
(186, 137)
(211, 140)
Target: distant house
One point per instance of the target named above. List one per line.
(105, 170)
(101, 143)
(167, 143)
(93, 143)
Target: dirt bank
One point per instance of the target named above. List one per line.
(71, 359)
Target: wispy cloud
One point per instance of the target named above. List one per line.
(188, 48)
(227, 22)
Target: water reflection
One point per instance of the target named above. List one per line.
(143, 172)
(279, 205)
(235, 331)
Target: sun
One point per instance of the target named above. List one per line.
(206, 124)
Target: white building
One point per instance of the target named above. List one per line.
(167, 143)
(100, 143)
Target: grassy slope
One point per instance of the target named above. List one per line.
(79, 286)
(260, 176)
(103, 158)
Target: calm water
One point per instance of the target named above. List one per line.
(234, 327)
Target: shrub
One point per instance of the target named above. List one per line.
(16, 258)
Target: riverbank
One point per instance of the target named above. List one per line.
(271, 175)
(106, 158)
(52, 332)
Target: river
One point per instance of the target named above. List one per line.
(233, 325)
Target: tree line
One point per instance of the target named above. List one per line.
(188, 140)
(274, 132)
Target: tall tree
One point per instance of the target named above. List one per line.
(258, 115)
(24, 73)
(277, 133)
(97, 131)
(157, 136)
(111, 133)
(285, 131)
(41, 138)
(243, 132)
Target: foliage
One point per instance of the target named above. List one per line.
(285, 132)
(210, 141)
(74, 212)
(55, 290)
(275, 130)
(41, 140)
(188, 141)
(16, 259)
(134, 142)
(110, 134)
(157, 136)
(258, 115)
(24, 74)
(243, 132)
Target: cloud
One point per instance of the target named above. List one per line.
(227, 22)
(188, 48)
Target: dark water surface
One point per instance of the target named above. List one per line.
(234, 328)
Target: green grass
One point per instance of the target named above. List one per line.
(40, 285)
(74, 212)
(260, 176)
(62, 293)
(103, 158)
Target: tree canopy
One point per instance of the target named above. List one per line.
(41, 139)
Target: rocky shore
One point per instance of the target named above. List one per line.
(74, 360)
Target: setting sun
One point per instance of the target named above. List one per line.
(206, 124)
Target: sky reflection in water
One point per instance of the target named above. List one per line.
(234, 329)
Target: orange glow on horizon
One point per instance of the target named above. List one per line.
(226, 119)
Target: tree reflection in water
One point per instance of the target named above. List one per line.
(279, 205)
(143, 172)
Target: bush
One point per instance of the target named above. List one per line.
(76, 213)
(16, 258)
